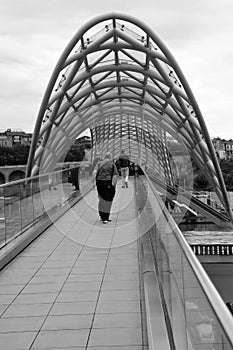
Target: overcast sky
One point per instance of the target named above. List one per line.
(33, 34)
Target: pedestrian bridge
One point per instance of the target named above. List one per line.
(70, 282)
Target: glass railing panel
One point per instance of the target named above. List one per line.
(194, 311)
(2, 218)
(12, 210)
(28, 203)
(38, 208)
(198, 316)
(84, 178)
(46, 193)
(67, 187)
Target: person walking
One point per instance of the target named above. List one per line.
(74, 173)
(105, 175)
(124, 168)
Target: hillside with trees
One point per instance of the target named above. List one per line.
(18, 154)
(202, 184)
(15, 155)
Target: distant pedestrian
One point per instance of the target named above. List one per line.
(74, 174)
(124, 164)
(117, 163)
(105, 174)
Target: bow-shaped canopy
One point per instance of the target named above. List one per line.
(117, 78)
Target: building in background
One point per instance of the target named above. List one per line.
(228, 149)
(11, 137)
(223, 148)
(84, 141)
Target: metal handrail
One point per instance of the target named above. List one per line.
(25, 179)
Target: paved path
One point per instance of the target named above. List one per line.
(78, 285)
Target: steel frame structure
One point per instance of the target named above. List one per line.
(117, 78)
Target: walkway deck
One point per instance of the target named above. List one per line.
(77, 286)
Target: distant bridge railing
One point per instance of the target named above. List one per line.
(205, 197)
(209, 209)
(212, 249)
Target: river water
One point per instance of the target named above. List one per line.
(218, 236)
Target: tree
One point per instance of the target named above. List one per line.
(201, 183)
(20, 154)
(16, 155)
(76, 153)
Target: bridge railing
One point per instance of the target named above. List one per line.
(209, 209)
(27, 203)
(195, 314)
(212, 249)
(205, 197)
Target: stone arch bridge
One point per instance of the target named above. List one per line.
(12, 173)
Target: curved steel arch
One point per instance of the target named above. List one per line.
(114, 74)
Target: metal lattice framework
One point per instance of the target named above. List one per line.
(117, 78)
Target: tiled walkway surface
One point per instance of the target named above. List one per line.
(77, 286)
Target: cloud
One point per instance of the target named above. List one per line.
(33, 34)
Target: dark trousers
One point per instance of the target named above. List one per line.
(106, 193)
(75, 178)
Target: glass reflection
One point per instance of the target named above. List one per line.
(27, 203)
